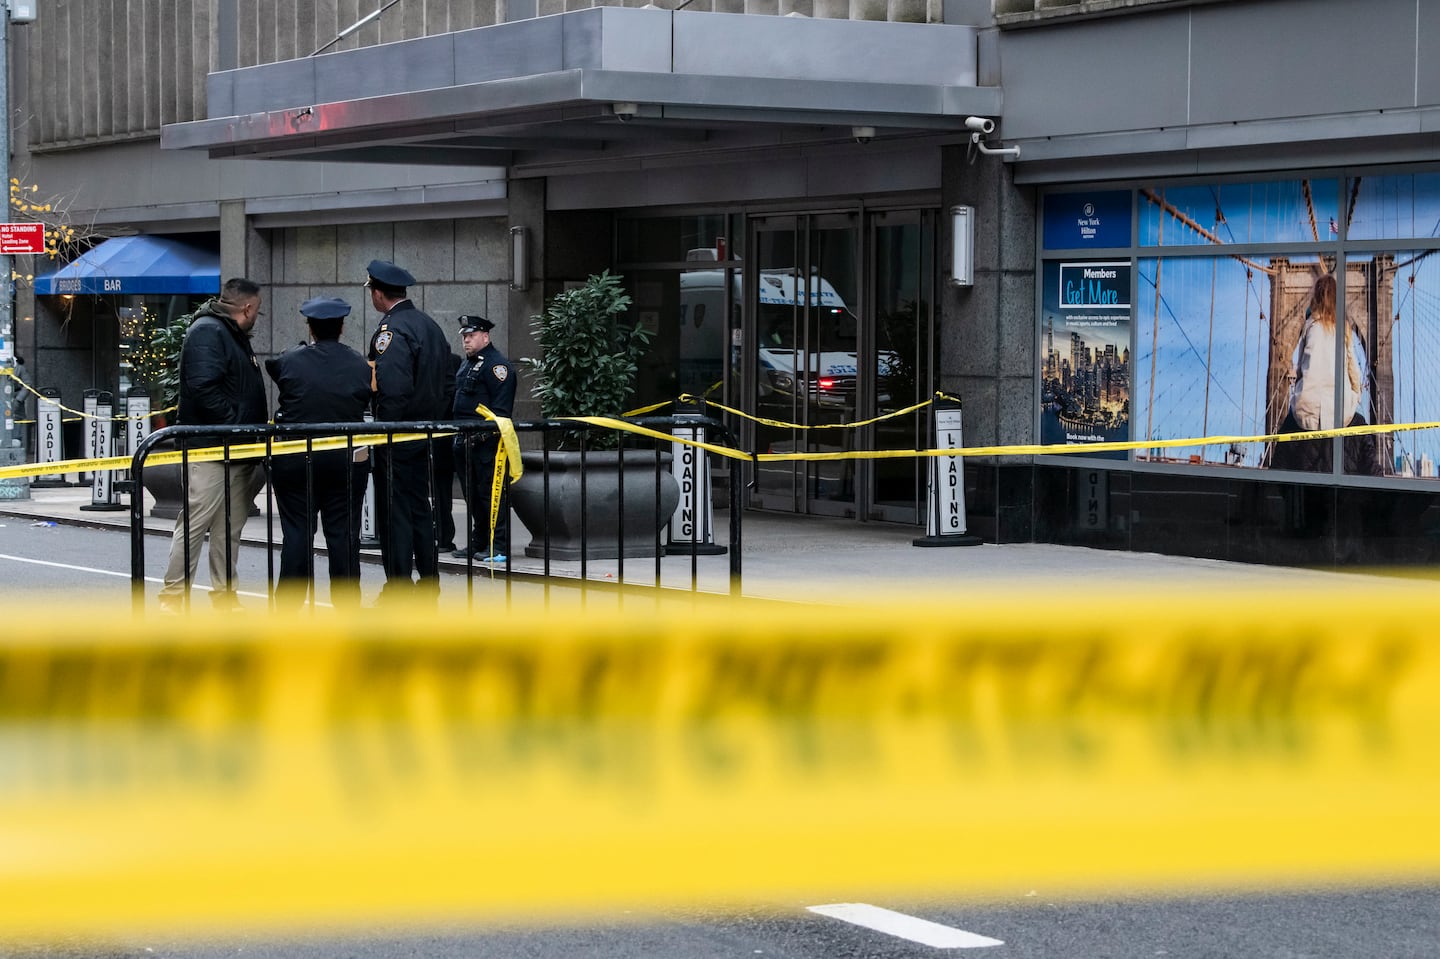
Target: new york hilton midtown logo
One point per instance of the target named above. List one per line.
(1088, 223)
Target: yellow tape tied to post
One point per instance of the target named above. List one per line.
(253, 772)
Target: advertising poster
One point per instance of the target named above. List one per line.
(1086, 320)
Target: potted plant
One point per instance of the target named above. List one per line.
(600, 494)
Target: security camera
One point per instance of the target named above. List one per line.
(862, 134)
(980, 124)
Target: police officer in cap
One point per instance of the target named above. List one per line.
(412, 363)
(324, 382)
(487, 379)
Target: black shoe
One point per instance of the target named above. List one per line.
(461, 553)
(447, 547)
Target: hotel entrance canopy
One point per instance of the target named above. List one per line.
(600, 84)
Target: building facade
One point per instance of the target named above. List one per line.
(778, 183)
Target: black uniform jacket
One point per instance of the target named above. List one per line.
(488, 379)
(412, 362)
(325, 382)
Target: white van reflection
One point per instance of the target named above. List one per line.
(826, 373)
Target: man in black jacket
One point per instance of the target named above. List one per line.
(220, 385)
(412, 363)
(325, 382)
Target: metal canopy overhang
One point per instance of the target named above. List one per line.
(614, 81)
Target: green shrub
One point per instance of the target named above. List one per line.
(589, 359)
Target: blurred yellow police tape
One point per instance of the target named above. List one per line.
(255, 772)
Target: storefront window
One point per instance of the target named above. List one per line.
(1392, 305)
(1394, 207)
(1271, 311)
(1216, 343)
(1282, 211)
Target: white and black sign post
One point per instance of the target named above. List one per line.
(137, 426)
(102, 487)
(945, 525)
(367, 511)
(90, 446)
(137, 418)
(49, 446)
(692, 528)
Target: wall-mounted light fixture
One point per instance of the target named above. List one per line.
(962, 245)
(519, 258)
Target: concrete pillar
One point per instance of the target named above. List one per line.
(527, 209)
(987, 334)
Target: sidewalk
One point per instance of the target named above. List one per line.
(798, 558)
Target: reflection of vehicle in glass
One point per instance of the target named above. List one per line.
(826, 372)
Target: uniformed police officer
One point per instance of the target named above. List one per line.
(324, 382)
(486, 379)
(412, 363)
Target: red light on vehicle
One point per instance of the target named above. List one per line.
(826, 383)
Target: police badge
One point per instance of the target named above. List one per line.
(501, 371)
(382, 340)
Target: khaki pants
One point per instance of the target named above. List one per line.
(206, 509)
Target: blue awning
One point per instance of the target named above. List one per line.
(137, 264)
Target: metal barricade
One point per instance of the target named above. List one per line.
(598, 501)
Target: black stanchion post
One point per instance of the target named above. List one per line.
(48, 443)
(102, 487)
(945, 523)
(692, 528)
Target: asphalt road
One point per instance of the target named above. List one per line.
(1394, 923)
(44, 562)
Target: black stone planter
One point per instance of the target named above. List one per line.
(606, 533)
(163, 483)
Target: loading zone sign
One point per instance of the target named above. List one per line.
(22, 238)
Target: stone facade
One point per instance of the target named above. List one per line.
(459, 267)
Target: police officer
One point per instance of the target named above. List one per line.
(412, 361)
(324, 382)
(486, 379)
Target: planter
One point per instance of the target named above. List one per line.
(163, 483)
(607, 534)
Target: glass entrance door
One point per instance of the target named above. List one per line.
(804, 291)
(903, 280)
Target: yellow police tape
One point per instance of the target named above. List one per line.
(213, 454)
(80, 414)
(255, 450)
(253, 772)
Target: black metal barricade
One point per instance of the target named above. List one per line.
(580, 511)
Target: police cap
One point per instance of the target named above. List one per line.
(325, 308)
(388, 273)
(472, 324)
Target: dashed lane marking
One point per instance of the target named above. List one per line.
(898, 924)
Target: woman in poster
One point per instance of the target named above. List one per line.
(1312, 397)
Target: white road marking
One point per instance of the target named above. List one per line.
(78, 569)
(113, 572)
(898, 924)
